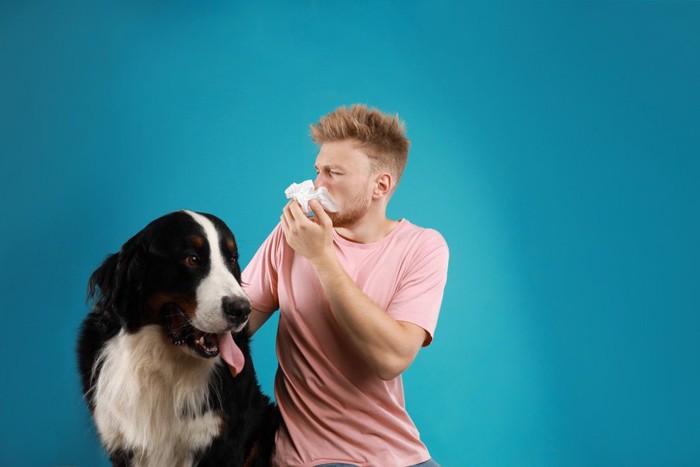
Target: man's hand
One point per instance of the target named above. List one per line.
(311, 237)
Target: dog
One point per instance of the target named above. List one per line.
(164, 353)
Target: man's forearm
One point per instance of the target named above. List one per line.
(256, 319)
(387, 345)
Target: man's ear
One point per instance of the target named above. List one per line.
(384, 185)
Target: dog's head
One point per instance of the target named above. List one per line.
(180, 272)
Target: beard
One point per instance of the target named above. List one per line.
(349, 214)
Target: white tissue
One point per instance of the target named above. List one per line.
(304, 191)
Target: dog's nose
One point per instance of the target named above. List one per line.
(236, 308)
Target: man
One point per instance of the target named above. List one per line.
(359, 295)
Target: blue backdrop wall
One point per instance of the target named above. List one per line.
(555, 145)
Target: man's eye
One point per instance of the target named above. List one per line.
(192, 261)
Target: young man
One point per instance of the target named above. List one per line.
(359, 295)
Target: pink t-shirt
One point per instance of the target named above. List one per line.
(334, 407)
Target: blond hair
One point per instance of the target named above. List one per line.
(381, 136)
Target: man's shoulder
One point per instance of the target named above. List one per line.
(276, 233)
(274, 242)
(424, 235)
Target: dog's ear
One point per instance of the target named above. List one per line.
(102, 281)
(116, 285)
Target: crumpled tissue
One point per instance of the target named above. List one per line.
(304, 192)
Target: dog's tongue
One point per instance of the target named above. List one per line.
(231, 354)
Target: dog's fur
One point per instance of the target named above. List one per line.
(159, 393)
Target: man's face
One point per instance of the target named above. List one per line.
(345, 171)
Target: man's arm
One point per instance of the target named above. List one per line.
(256, 319)
(387, 345)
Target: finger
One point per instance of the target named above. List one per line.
(285, 224)
(285, 214)
(290, 207)
(320, 213)
(298, 214)
(288, 212)
(287, 207)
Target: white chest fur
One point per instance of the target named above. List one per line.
(146, 398)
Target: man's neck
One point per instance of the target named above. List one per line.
(367, 230)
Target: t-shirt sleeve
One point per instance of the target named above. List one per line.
(419, 294)
(260, 276)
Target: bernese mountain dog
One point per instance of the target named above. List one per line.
(164, 352)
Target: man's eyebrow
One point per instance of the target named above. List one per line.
(328, 166)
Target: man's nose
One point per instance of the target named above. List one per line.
(319, 182)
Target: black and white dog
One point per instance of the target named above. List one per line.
(164, 353)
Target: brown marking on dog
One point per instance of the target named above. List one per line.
(196, 240)
(156, 301)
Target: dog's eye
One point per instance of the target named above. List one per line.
(192, 261)
(233, 260)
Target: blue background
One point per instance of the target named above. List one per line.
(555, 146)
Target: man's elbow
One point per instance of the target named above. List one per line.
(390, 362)
(391, 368)
(387, 375)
